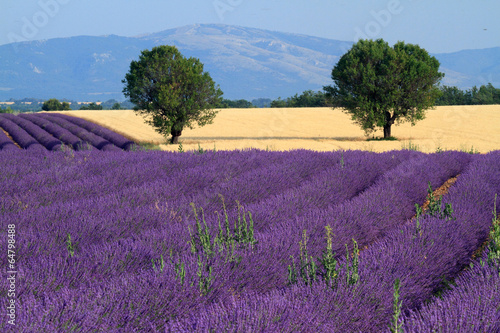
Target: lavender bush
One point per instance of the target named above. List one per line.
(58, 132)
(329, 187)
(83, 134)
(110, 242)
(385, 205)
(419, 261)
(54, 132)
(42, 136)
(114, 138)
(5, 142)
(22, 138)
(470, 306)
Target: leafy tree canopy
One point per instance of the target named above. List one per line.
(380, 85)
(53, 104)
(236, 104)
(171, 91)
(308, 98)
(6, 110)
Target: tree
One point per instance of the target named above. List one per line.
(236, 104)
(53, 104)
(486, 95)
(308, 99)
(452, 96)
(171, 91)
(116, 106)
(279, 103)
(6, 110)
(65, 106)
(379, 85)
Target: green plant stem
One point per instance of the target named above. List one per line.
(396, 326)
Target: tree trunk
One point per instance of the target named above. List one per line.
(389, 120)
(175, 136)
(387, 131)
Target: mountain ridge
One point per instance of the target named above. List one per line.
(247, 63)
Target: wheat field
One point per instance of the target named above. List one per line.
(323, 129)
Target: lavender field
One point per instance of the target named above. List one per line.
(55, 131)
(108, 240)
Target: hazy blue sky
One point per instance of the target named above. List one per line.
(436, 25)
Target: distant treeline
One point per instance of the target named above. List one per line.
(36, 104)
(484, 95)
(308, 98)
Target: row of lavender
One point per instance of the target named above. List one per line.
(472, 305)
(51, 131)
(101, 180)
(19, 135)
(5, 142)
(178, 179)
(420, 256)
(128, 227)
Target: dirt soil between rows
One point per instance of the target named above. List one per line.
(8, 135)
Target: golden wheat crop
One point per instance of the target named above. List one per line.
(322, 129)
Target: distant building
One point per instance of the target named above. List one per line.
(87, 103)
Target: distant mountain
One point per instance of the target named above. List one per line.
(247, 63)
(468, 68)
